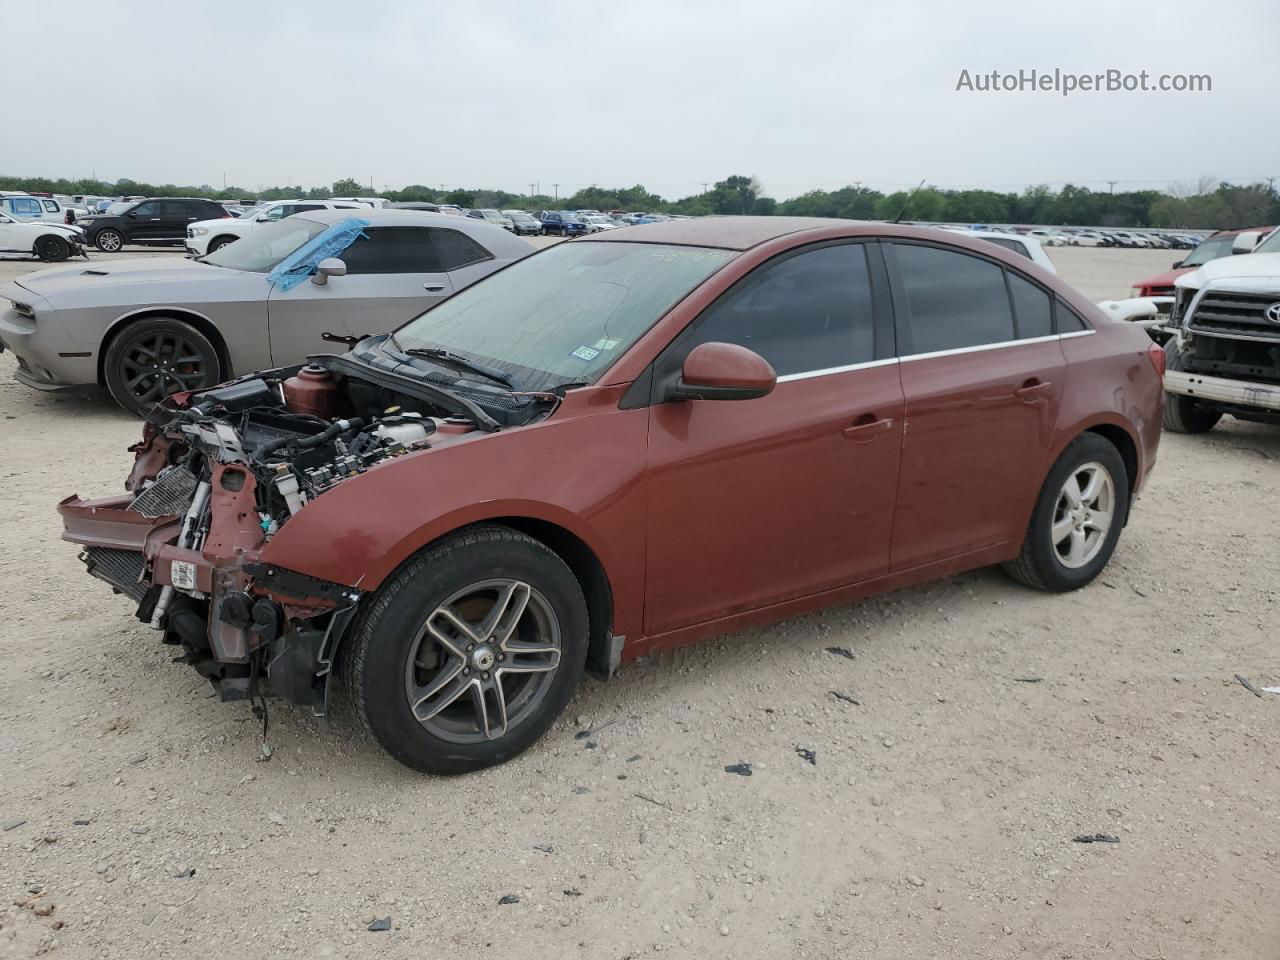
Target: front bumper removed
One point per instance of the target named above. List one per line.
(241, 622)
(1244, 393)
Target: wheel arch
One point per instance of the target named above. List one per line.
(1124, 442)
(197, 320)
(603, 649)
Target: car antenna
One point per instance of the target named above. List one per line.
(898, 218)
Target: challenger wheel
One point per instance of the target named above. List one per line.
(108, 240)
(1185, 414)
(1077, 518)
(52, 249)
(151, 359)
(468, 654)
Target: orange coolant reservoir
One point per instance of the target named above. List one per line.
(313, 391)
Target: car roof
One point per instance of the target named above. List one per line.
(497, 239)
(729, 233)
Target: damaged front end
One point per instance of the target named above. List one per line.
(218, 473)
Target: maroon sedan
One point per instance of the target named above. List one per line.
(619, 445)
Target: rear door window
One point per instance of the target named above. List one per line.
(954, 300)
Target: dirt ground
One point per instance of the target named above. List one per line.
(992, 726)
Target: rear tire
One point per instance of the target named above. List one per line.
(53, 249)
(150, 359)
(406, 683)
(1059, 523)
(1185, 414)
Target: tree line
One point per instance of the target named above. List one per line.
(1207, 205)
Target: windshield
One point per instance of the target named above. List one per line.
(564, 315)
(1211, 249)
(1270, 245)
(263, 248)
(119, 207)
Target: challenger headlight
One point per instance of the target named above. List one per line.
(199, 231)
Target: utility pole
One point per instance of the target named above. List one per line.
(704, 188)
(556, 187)
(371, 190)
(531, 191)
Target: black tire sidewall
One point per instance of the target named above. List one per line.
(218, 243)
(387, 637)
(64, 249)
(115, 352)
(1085, 449)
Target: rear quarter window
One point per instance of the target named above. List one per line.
(1068, 321)
(454, 250)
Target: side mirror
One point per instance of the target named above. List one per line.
(131, 215)
(1177, 264)
(326, 268)
(723, 371)
(262, 218)
(1245, 242)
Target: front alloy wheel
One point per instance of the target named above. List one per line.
(483, 661)
(150, 359)
(465, 656)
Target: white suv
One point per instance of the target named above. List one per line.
(206, 236)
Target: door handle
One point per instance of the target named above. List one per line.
(1032, 390)
(433, 287)
(867, 427)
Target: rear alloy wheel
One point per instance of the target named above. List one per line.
(108, 241)
(1077, 519)
(53, 249)
(469, 653)
(220, 242)
(151, 359)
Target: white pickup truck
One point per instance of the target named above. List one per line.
(21, 206)
(1224, 354)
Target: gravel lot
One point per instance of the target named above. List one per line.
(936, 821)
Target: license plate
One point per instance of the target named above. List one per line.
(183, 574)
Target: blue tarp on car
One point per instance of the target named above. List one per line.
(300, 264)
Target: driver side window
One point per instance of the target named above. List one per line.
(149, 209)
(806, 312)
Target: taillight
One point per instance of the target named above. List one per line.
(1155, 353)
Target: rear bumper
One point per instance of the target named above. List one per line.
(1245, 393)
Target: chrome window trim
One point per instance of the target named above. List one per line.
(828, 371)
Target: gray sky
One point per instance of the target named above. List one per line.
(800, 94)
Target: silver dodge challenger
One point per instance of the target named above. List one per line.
(150, 327)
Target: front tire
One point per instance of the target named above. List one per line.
(53, 249)
(1077, 520)
(218, 243)
(108, 240)
(151, 359)
(1184, 414)
(468, 654)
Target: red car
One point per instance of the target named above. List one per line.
(1220, 244)
(622, 444)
